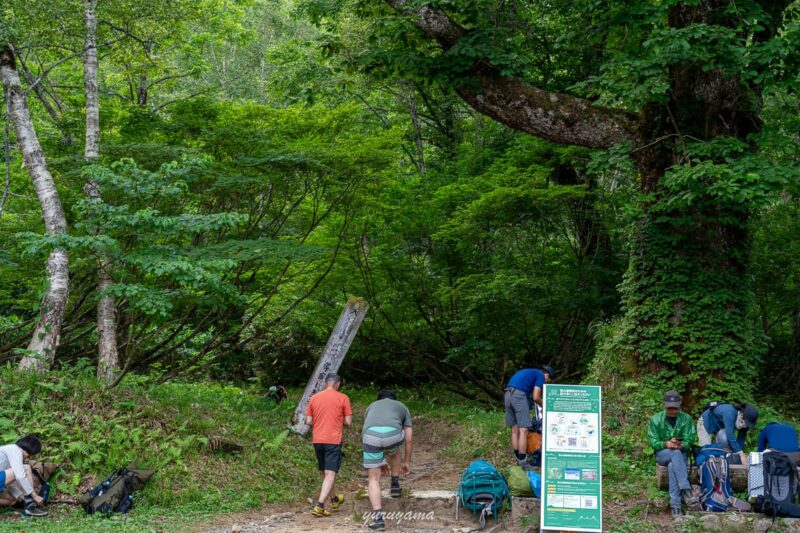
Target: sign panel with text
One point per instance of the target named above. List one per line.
(572, 459)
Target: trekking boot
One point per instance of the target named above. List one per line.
(336, 502)
(690, 500)
(526, 466)
(320, 512)
(394, 490)
(34, 510)
(677, 516)
(377, 525)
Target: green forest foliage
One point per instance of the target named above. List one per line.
(262, 160)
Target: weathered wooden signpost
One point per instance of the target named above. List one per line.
(332, 357)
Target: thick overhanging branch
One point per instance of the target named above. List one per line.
(559, 118)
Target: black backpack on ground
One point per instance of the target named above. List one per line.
(115, 494)
(780, 486)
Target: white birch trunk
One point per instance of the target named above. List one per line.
(90, 82)
(338, 343)
(108, 358)
(43, 345)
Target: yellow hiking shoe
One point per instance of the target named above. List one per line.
(336, 501)
(320, 512)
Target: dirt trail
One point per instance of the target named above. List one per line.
(432, 471)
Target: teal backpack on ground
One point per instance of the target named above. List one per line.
(482, 490)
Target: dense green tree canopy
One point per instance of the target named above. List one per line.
(608, 187)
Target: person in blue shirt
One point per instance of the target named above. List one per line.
(781, 437)
(722, 420)
(523, 389)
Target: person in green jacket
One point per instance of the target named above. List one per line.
(671, 434)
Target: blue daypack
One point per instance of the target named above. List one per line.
(716, 493)
(482, 490)
(536, 484)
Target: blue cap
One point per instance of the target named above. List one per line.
(549, 370)
(750, 416)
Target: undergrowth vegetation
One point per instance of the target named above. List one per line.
(175, 428)
(172, 428)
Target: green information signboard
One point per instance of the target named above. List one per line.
(572, 462)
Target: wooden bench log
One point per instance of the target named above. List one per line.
(738, 475)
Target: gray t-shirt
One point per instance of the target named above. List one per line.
(387, 413)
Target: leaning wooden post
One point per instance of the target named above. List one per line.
(331, 359)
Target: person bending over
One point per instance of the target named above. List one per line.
(17, 478)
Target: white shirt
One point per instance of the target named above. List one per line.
(15, 459)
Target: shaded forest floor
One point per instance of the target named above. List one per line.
(269, 485)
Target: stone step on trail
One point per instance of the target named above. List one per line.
(441, 503)
(419, 506)
(742, 522)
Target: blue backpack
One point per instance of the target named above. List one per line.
(482, 490)
(716, 493)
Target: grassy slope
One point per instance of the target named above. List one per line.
(90, 432)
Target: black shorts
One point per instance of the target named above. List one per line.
(329, 456)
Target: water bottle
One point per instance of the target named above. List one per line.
(126, 504)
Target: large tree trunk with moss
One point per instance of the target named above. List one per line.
(43, 345)
(685, 294)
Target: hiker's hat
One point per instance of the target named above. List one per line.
(672, 399)
(549, 370)
(750, 415)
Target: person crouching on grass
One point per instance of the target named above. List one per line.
(16, 477)
(328, 412)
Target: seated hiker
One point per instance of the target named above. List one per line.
(727, 417)
(776, 436)
(17, 478)
(671, 434)
(523, 390)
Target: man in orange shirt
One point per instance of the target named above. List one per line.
(328, 412)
